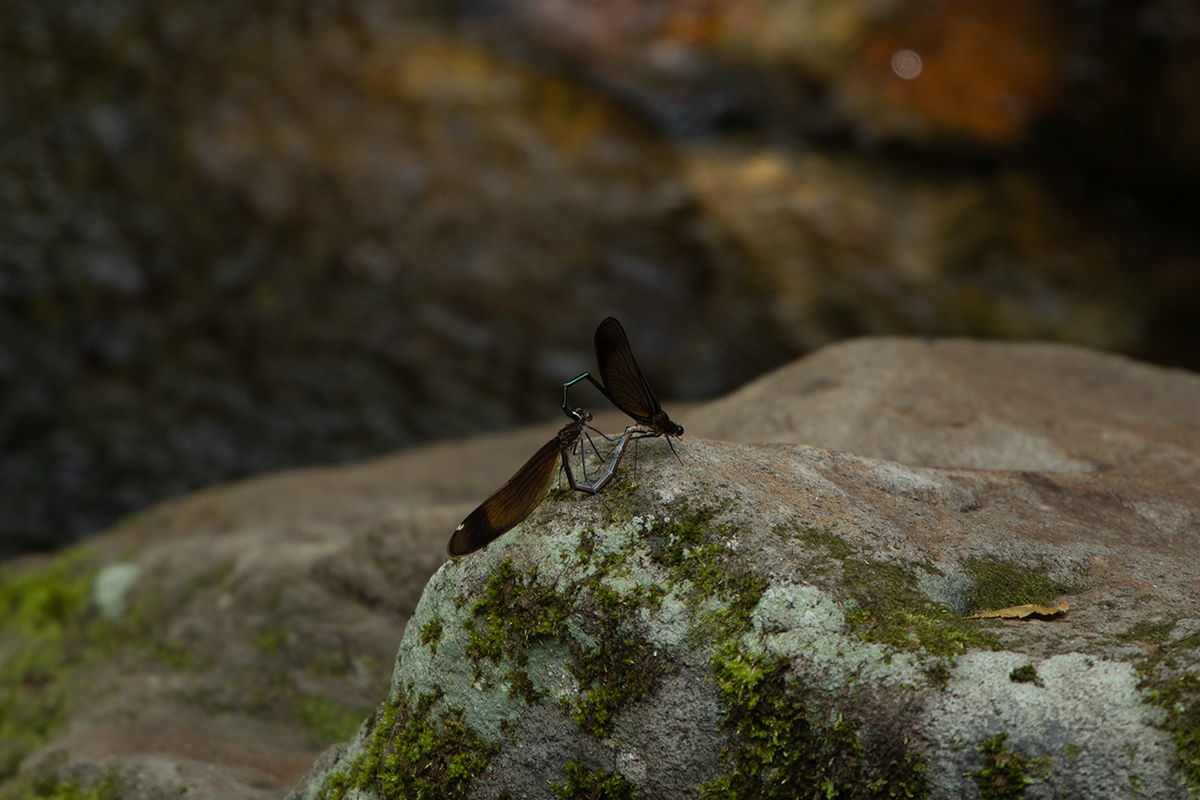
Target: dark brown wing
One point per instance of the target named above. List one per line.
(623, 381)
(515, 500)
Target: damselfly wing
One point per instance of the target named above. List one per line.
(623, 382)
(515, 500)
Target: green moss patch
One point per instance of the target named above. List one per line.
(329, 722)
(1149, 632)
(516, 611)
(611, 658)
(617, 671)
(831, 543)
(1179, 698)
(270, 642)
(791, 743)
(1005, 773)
(589, 784)
(48, 787)
(431, 634)
(1001, 584)
(513, 613)
(47, 633)
(1025, 674)
(412, 756)
(702, 569)
(54, 641)
(887, 607)
(621, 666)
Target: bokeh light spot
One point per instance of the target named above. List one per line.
(906, 64)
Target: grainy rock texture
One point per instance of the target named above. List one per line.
(773, 621)
(664, 638)
(238, 237)
(983, 405)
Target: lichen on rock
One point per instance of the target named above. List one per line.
(748, 621)
(695, 639)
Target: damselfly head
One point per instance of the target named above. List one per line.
(664, 425)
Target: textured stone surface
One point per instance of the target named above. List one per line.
(856, 573)
(959, 403)
(217, 643)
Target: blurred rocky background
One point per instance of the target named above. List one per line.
(240, 236)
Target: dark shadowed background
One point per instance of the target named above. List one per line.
(239, 236)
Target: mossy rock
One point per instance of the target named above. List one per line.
(658, 646)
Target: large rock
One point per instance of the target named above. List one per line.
(750, 593)
(983, 405)
(782, 621)
(240, 237)
(219, 642)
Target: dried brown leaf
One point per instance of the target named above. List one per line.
(1021, 612)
